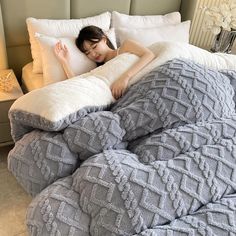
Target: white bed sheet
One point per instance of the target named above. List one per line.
(30, 80)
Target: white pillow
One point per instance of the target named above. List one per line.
(52, 68)
(120, 20)
(56, 102)
(147, 36)
(60, 28)
(165, 51)
(59, 102)
(114, 68)
(78, 61)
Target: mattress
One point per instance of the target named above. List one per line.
(30, 80)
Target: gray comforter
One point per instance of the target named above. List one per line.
(160, 161)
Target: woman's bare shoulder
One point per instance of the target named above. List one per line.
(134, 47)
(129, 43)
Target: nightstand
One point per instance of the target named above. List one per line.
(6, 100)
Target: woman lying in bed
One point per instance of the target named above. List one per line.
(95, 44)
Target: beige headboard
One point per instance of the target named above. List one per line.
(15, 12)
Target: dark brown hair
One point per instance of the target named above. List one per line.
(93, 34)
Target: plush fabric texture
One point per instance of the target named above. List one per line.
(232, 76)
(160, 161)
(60, 28)
(147, 36)
(58, 104)
(52, 110)
(78, 61)
(50, 160)
(113, 69)
(61, 103)
(64, 221)
(165, 51)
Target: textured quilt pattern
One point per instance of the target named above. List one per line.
(161, 161)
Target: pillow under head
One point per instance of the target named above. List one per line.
(60, 28)
(78, 61)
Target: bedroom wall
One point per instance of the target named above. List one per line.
(15, 12)
(3, 52)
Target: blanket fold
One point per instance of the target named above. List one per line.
(161, 160)
(213, 219)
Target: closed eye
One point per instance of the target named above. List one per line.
(92, 47)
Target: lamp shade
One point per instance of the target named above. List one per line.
(3, 52)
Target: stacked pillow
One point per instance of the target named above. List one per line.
(150, 29)
(148, 36)
(140, 22)
(44, 34)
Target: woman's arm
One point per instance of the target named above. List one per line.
(61, 52)
(146, 56)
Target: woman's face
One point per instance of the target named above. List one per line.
(96, 51)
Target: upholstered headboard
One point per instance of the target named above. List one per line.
(15, 12)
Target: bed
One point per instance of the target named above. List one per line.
(29, 79)
(18, 48)
(158, 161)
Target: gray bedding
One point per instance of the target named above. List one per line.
(160, 161)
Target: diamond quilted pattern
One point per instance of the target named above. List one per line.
(46, 159)
(177, 178)
(99, 135)
(57, 212)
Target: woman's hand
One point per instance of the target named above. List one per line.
(119, 86)
(61, 52)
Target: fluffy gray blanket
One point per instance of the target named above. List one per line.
(160, 161)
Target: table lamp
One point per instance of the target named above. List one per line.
(6, 81)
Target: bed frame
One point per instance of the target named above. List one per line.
(15, 12)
